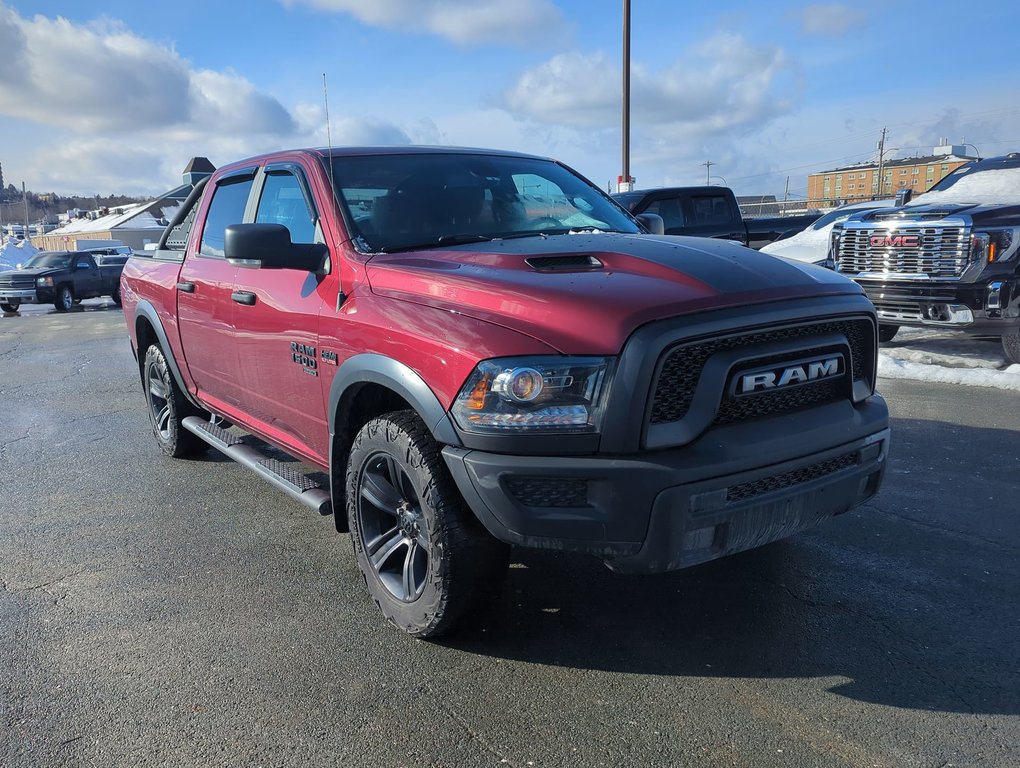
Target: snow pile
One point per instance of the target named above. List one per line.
(947, 358)
(999, 186)
(14, 252)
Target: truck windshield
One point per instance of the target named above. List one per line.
(973, 184)
(46, 260)
(411, 201)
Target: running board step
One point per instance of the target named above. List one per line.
(282, 475)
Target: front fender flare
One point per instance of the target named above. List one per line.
(371, 368)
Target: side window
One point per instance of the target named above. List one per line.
(710, 209)
(283, 202)
(227, 207)
(670, 212)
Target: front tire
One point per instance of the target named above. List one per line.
(10, 306)
(425, 558)
(1011, 346)
(168, 408)
(887, 332)
(65, 299)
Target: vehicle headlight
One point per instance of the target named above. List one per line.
(994, 245)
(833, 255)
(534, 394)
(44, 281)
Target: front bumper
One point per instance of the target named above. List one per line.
(989, 307)
(664, 510)
(23, 296)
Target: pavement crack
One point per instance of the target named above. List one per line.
(473, 733)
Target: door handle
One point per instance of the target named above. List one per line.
(243, 297)
(186, 287)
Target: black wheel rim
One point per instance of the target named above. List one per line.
(159, 400)
(393, 528)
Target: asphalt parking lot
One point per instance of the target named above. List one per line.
(160, 612)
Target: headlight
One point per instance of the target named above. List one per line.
(834, 238)
(44, 281)
(994, 245)
(534, 394)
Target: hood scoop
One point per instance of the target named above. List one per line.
(566, 263)
(921, 214)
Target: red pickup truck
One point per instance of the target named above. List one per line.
(459, 350)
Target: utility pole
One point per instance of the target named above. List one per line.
(881, 163)
(708, 171)
(25, 195)
(624, 183)
(786, 195)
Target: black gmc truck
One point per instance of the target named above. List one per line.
(947, 259)
(60, 278)
(710, 212)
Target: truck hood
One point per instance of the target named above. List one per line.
(41, 272)
(585, 294)
(981, 213)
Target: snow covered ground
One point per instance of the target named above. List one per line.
(949, 358)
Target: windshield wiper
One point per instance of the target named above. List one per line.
(465, 238)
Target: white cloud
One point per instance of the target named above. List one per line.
(722, 85)
(829, 19)
(101, 76)
(464, 22)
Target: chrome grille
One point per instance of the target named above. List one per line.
(940, 251)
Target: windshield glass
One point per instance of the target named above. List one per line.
(403, 202)
(45, 260)
(970, 184)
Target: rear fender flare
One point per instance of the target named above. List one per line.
(144, 309)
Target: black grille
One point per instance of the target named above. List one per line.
(682, 368)
(548, 491)
(785, 480)
(18, 283)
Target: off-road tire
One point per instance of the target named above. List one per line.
(168, 407)
(1011, 346)
(65, 299)
(400, 494)
(887, 332)
(10, 306)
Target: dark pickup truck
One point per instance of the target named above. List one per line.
(60, 278)
(946, 259)
(468, 349)
(710, 212)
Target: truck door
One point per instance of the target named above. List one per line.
(87, 281)
(276, 317)
(204, 308)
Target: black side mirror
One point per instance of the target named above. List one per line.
(652, 222)
(903, 197)
(268, 246)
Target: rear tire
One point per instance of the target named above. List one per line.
(65, 299)
(1011, 346)
(168, 408)
(10, 306)
(425, 558)
(887, 332)
(115, 296)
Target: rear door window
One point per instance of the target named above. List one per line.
(710, 210)
(227, 207)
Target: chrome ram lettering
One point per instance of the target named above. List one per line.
(801, 373)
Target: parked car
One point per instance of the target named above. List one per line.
(60, 278)
(948, 258)
(471, 367)
(811, 245)
(709, 212)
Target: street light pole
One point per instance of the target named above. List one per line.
(624, 184)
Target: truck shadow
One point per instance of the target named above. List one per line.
(909, 613)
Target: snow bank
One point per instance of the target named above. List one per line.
(923, 355)
(14, 252)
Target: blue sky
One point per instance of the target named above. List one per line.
(116, 96)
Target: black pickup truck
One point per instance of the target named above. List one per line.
(710, 212)
(946, 259)
(60, 278)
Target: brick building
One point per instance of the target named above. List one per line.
(855, 183)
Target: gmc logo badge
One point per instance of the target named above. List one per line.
(789, 375)
(895, 241)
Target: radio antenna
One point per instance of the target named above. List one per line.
(329, 139)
